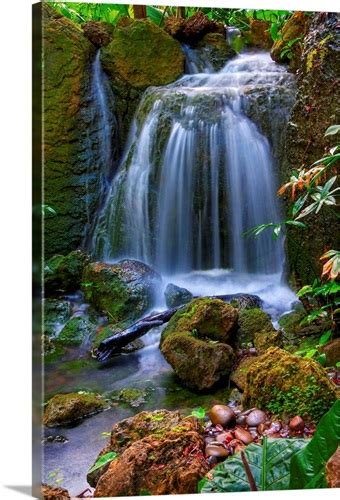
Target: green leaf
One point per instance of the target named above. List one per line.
(307, 467)
(304, 290)
(332, 130)
(103, 460)
(198, 413)
(325, 337)
(269, 465)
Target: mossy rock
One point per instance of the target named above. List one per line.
(294, 28)
(250, 322)
(176, 296)
(56, 312)
(290, 322)
(98, 32)
(287, 385)
(76, 331)
(264, 340)
(239, 374)
(63, 274)
(142, 54)
(69, 408)
(130, 396)
(259, 34)
(123, 291)
(217, 48)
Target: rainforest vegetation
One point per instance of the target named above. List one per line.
(191, 255)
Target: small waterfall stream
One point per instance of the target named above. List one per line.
(197, 173)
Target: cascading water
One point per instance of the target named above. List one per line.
(197, 173)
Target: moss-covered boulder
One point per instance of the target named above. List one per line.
(98, 32)
(266, 339)
(294, 29)
(63, 273)
(150, 447)
(141, 54)
(176, 296)
(315, 109)
(69, 408)
(287, 385)
(250, 322)
(194, 342)
(218, 50)
(72, 158)
(76, 331)
(332, 352)
(259, 34)
(56, 313)
(239, 374)
(123, 291)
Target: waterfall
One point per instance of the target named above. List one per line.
(198, 172)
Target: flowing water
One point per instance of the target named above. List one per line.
(197, 172)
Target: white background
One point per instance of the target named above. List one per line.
(15, 246)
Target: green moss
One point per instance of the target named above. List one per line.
(67, 408)
(77, 365)
(288, 385)
(64, 273)
(252, 321)
(264, 340)
(75, 332)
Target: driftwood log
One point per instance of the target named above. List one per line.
(112, 345)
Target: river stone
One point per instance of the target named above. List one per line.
(154, 424)
(176, 296)
(316, 103)
(284, 384)
(295, 27)
(63, 273)
(194, 342)
(245, 301)
(255, 418)
(158, 465)
(98, 32)
(69, 408)
(123, 291)
(221, 415)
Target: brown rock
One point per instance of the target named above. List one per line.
(259, 35)
(243, 435)
(69, 408)
(333, 470)
(216, 450)
(51, 493)
(221, 414)
(172, 464)
(193, 29)
(256, 418)
(332, 351)
(296, 424)
(98, 32)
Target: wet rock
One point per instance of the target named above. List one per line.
(259, 35)
(193, 342)
(218, 50)
(145, 424)
(56, 312)
(332, 352)
(141, 54)
(171, 464)
(333, 470)
(243, 435)
(131, 396)
(295, 28)
(63, 274)
(221, 414)
(286, 384)
(216, 450)
(245, 301)
(264, 340)
(76, 331)
(255, 418)
(239, 375)
(124, 290)
(250, 322)
(317, 99)
(69, 408)
(98, 32)
(176, 296)
(296, 424)
(53, 493)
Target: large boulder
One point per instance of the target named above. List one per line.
(63, 273)
(140, 55)
(315, 109)
(250, 322)
(72, 160)
(294, 29)
(123, 291)
(69, 408)
(154, 449)
(195, 342)
(288, 385)
(98, 32)
(176, 296)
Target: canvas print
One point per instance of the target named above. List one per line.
(190, 252)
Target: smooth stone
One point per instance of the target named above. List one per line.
(215, 450)
(222, 415)
(255, 418)
(244, 436)
(296, 424)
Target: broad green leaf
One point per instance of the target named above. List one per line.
(103, 460)
(269, 465)
(304, 290)
(325, 337)
(307, 467)
(332, 130)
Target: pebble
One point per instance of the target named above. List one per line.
(222, 415)
(224, 436)
(255, 418)
(243, 435)
(215, 450)
(296, 424)
(241, 420)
